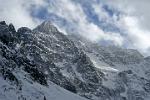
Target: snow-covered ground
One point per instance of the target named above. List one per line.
(33, 91)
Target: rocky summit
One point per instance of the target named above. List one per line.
(45, 64)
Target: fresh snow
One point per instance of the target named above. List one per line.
(101, 65)
(33, 91)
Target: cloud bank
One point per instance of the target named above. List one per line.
(113, 21)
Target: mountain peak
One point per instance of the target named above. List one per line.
(2, 23)
(46, 26)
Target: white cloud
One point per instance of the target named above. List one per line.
(18, 12)
(135, 21)
(140, 38)
(74, 13)
(101, 13)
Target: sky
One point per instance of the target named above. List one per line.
(124, 23)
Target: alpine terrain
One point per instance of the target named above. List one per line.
(45, 64)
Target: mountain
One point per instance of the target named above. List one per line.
(45, 63)
(126, 71)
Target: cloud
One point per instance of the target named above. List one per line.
(137, 8)
(100, 11)
(18, 12)
(134, 20)
(73, 13)
(140, 38)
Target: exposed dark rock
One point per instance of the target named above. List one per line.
(2, 23)
(12, 28)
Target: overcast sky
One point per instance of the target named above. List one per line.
(123, 23)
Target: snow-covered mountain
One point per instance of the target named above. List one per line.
(45, 63)
(126, 71)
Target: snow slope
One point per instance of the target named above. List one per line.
(31, 90)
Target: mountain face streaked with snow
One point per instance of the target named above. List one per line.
(43, 63)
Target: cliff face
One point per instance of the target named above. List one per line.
(34, 63)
